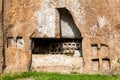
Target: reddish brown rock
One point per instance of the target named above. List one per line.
(1, 39)
(62, 35)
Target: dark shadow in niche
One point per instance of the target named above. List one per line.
(55, 46)
(67, 25)
(105, 45)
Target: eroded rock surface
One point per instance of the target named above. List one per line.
(95, 22)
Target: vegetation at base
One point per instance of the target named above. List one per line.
(119, 60)
(55, 76)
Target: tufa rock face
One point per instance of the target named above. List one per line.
(0, 36)
(62, 35)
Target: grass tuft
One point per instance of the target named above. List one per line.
(56, 76)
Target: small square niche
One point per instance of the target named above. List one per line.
(20, 42)
(95, 64)
(10, 42)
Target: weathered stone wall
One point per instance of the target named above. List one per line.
(97, 20)
(17, 60)
(57, 63)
